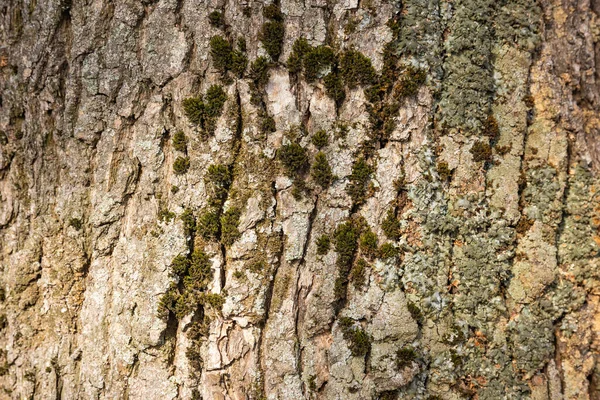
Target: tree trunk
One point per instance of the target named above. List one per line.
(305, 200)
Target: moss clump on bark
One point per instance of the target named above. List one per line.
(359, 180)
(216, 18)
(179, 142)
(481, 151)
(321, 171)
(225, 58)
(181, 165)
(273, 31)
(359, 342)
(356, 69)
(320, 139)
(368, 243)
(229, 226)
(391, 226)
(323, 245)
(294, 158)
(204, 110)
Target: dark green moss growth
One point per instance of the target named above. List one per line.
(359, 340)
(179, 265)
(368, 243)
(209, 225)
(316, 60)
(405, 357)
(323, 245)
(189, 221)
(259, 71)
(273, 31)
(214, 101)
(214, 300)
(334, 86)
(320, 139)
(273, 12)
(358, 273)
(481, 151)
(299, 50)
(345, 241)
(199, 273)
(412, 79)
(356, 69)
(267, 124)
(76, 223)
(218, 179)
(242, 44)
(220, 51)
(359, 180)
(179, 142)
(239, 62)
(164, 215)
(312, 383)
(225, 58)
(229, 226)
(216, 19)
(181, 165)
(388, 250)
(204, 112)
(321, 171)
(294, 158)
(391, 226)
(415, 312)
(443, 170)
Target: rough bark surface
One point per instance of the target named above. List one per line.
(459, 189)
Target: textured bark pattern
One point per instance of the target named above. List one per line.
(490, 173)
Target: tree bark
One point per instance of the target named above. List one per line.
(403, 204)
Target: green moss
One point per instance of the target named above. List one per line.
(216, 18)
(524, 225)
(259, 71)
(412, 79)
(179, 141)
(294, 158)
(481, 151)
(359, 179)
(316, 61)
(76, 223)
(214, 101)
(368, 243)
(415, 311)
(164, 215)
(321, 171)
(334, 86)
(189, 221)
(443, 170)
(225, 58)
(204, 111)
(391, 226)
(229, 226)
(358, 273)
(405, 357)
(214, 300)
(179, 265)
(209, 225)
(273, 12)
(199, 273)
(345, 242)
(242, 44)
(299, 50)
(320, 139)
(359, 341)
(218, 179)
(388, 250)
(267, 124)
(356, 69)
(221, 53)
(323, 245)
(181, 165)
(273, 31)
